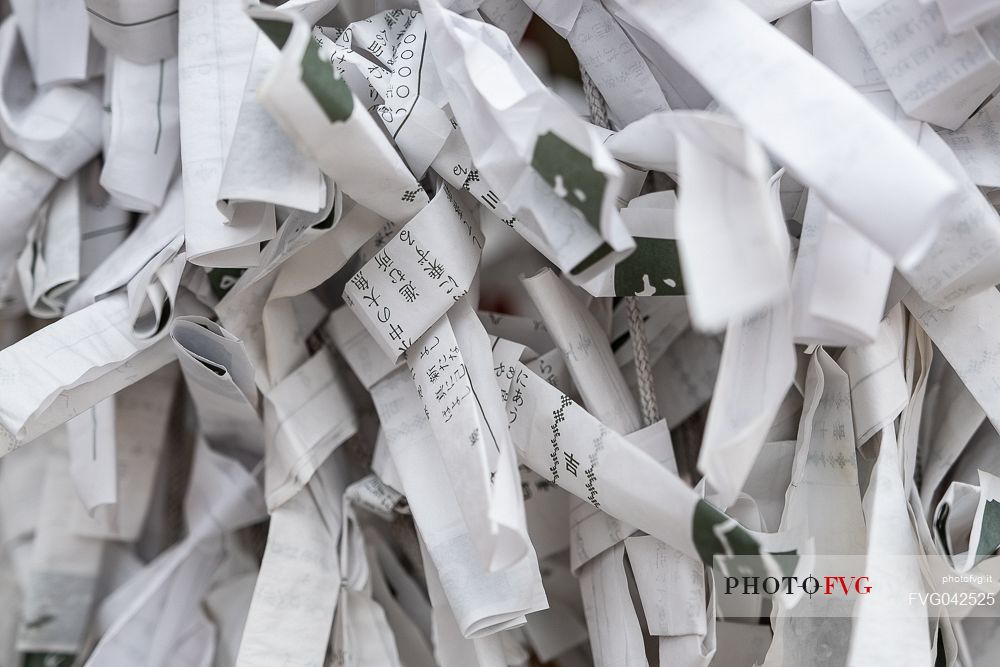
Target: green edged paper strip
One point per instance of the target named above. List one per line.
(654, 263)
(600, 253)
(222, 280)
(989, 533)
(717, 534)
(48, 660)
(572, 176)
(330, 92)
(941, 526)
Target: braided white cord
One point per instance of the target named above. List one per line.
(636, 329)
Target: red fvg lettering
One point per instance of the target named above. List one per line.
(830, 584)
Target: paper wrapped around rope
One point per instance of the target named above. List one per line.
(89, 356)
(702, 149)
(79, 228)
(598, 465)
(322, 116)
(811, 144)
(59, 127)
(421, 336)
(420, 274)
(543, 162)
